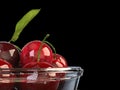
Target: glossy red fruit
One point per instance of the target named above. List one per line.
(4, 64)
(9, 52)
(29, 52)
(42, 81)
(59, 61)
(6, 79)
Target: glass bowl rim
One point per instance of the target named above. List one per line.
(70, 68)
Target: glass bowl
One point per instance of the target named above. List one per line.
(40, 78)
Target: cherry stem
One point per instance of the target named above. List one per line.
(52, 47)
(40, 48)
(15, 45)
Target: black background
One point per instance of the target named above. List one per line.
(70, 25)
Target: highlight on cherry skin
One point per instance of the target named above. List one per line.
(9, 52)
(5, 65)
(59, 60)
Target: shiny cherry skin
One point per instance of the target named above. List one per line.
(6, 83)
(29, 52)
(4, 64)
(9, 52)
(59, 61)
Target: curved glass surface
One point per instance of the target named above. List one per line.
(40, 78)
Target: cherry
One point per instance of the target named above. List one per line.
(4, 64)
(38, 54)
(9, 52)
(30, 52)
(5, 83)
(59, 61)
(42, 81)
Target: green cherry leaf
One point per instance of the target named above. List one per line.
(23, 22)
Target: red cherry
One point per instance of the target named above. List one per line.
(5, 82)
(29, 52)
(9, 52)
(44, 83)
(59, 61)
(4, 64)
